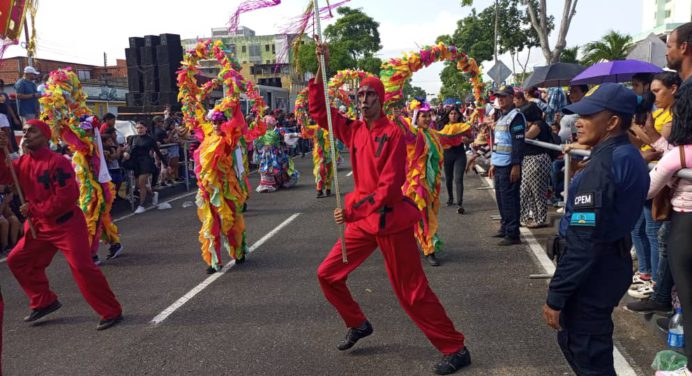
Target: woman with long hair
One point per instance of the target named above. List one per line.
(680, 236)
(141, 146)
(645, 232)
(535, 170)
(454, 163)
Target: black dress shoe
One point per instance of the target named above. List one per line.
(354, 335)
(432, 260)
(499, 235)
(329, 192)
(509, 241)
(450, 203)
(240, 260)
(105, 324)
(461, 210)
(320, 194)
(40, 312)
(452, 363)
(211, 270)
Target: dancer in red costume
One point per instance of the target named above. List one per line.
(378, 215)
(51, 192)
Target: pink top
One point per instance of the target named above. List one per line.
(663, 174)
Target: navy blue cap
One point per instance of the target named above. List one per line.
(608, 96)
(504, 91)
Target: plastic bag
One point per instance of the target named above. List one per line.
(668, 360)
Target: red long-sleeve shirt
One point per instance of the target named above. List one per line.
(48, 182)
(378, 159)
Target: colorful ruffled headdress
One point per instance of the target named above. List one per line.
(418, 105)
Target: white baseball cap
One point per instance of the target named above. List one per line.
(30, 69)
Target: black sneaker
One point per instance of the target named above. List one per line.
(432, 260)
(461, 210)
(240, 260)
(114, 251)
(662, 323)
(211, 270)
(648, 306)
(450, 203)
(354, 335)
(41, 312)
(452, 363)
(509, 241)
(329, 192)
(499, 234)
(105, 324)
(320, 194)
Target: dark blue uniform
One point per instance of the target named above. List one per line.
(606, 199)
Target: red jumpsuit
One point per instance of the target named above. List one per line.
(50, 188)
(378, 215)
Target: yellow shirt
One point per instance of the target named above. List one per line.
(662, 116)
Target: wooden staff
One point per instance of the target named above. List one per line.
(332, 147)
(19, 188)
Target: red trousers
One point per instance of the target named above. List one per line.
(30, 258)
(2, 313)
(406, 274)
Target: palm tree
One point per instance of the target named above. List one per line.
(570, 55)
(613, 46)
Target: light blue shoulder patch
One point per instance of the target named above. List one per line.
(518, 128)
(583, 219)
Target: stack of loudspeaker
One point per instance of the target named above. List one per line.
(152, 63)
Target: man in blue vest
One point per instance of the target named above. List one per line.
(606, 198)
(508, 153)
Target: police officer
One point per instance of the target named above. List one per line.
(508, 153)
(606, 199)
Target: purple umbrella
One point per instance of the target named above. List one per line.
(614, 71)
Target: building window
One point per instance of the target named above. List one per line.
(244, 49)
(273, 48)
(83, 75)
(266, 48)
(255, 53)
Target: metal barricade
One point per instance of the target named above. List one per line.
(186, 161)
(684, 173)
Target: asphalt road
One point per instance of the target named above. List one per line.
(268, 316)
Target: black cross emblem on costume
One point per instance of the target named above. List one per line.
(44, 179)
(61, 176)
(381, 141)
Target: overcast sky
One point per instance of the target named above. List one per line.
(81, 31)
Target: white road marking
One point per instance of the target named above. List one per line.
(350, 173)
(622, 366)
(176, 198)
(197, 289)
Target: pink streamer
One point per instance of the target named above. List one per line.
(249, 6)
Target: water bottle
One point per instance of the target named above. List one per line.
(676, 337)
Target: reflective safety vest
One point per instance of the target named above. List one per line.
(502, 148)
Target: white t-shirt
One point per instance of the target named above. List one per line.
(4, 121)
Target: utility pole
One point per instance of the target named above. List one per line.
(497, 11)
(105, 80)
(29, 52)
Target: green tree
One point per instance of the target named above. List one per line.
(356, 31)
(410, 91)
(339, 58)
(474, 37)
(613, 46)
(538, 16)
(570, 55)
(371, 64)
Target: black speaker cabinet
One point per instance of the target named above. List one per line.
(134, 80)
(147, 55)
(169, 39)
(132, 57)
(169, 54)
(168, 77)
(150, 78)
(136, 42)
(151, 41)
